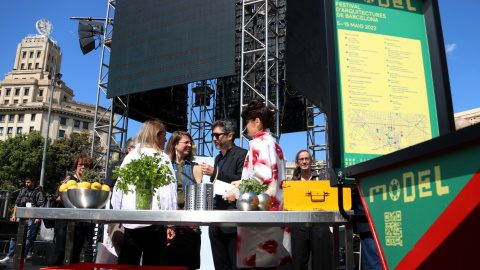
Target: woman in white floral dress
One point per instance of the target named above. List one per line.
(263, 247)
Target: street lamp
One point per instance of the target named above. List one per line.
(55, 79)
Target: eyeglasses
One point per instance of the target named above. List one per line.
(304, 159)
(217, 135)
(186, 142)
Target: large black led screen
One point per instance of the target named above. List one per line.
(161, 43)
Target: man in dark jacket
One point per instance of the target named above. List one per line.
(228, 168)
(28, 197)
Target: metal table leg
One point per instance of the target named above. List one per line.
(69, 242)
(19, 258)
(349, 258)
(336, 248)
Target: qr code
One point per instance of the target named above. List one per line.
(393, 228)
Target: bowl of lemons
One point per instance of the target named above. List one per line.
(84, 194)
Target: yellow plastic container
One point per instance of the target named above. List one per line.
(313, 196)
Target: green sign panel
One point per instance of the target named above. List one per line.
(405, 201)
(386, 95)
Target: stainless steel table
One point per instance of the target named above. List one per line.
(185, 218)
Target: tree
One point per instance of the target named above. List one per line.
(21, 156)
(66, 149)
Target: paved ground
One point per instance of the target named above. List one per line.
(28, 265)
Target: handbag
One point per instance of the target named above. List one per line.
(106, 254)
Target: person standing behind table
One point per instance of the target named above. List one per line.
(83, 231)
(317, 240)
(228, 168)
(263, 247)
(28, 197)
(109, 179)
(185, 250)
(149, 240)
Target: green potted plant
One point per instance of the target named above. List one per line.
(146, 174)
(253, 196)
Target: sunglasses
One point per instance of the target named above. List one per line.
(217, 135)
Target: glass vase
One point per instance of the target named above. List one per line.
(144, 196)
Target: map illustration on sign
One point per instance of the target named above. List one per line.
(386, 91)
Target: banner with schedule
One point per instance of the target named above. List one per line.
(385, 85)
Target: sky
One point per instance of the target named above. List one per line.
(81, 72)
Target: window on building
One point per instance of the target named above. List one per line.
(2, 118)
(7, 92)
(85, 125)
(24, 101)
(19, 130)
(24, 54)
(21, 117)
(61, 133)
(31, 129)
(26, 91)
(63, 121)
(29, 66)
(17, 92)
(40, 93)
(10, 130)
(39, 53)
(6, 102)
(15, 101)
(22, 67)
(32, 117)
(76, 123)
(11, 118)
(31, 54)
(64, 98)
(1, 130)
(37, 66)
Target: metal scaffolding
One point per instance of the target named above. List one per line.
(202, 105)
(118, 123)
(259, 57)
(316, 125)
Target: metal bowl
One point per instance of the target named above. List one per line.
(88, 198)
(264, 202)
(65, 200)
(247, 202)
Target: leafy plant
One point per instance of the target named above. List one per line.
(90, 176)
(250, 185)
(146, 173)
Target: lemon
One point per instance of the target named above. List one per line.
(96, 186)
(85, 185)
(71, 182)
(63, 187)
(73, 187)
(105, 187)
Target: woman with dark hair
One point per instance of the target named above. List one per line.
(83, 231)
(146, 239)
(185, 250)
(262, 247)
(316, 240)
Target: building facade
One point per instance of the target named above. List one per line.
(473, 116)
(26, 90)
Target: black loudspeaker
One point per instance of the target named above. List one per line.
(85, 36)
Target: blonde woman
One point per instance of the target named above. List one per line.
(146, 239)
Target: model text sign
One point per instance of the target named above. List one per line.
(385, 82)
